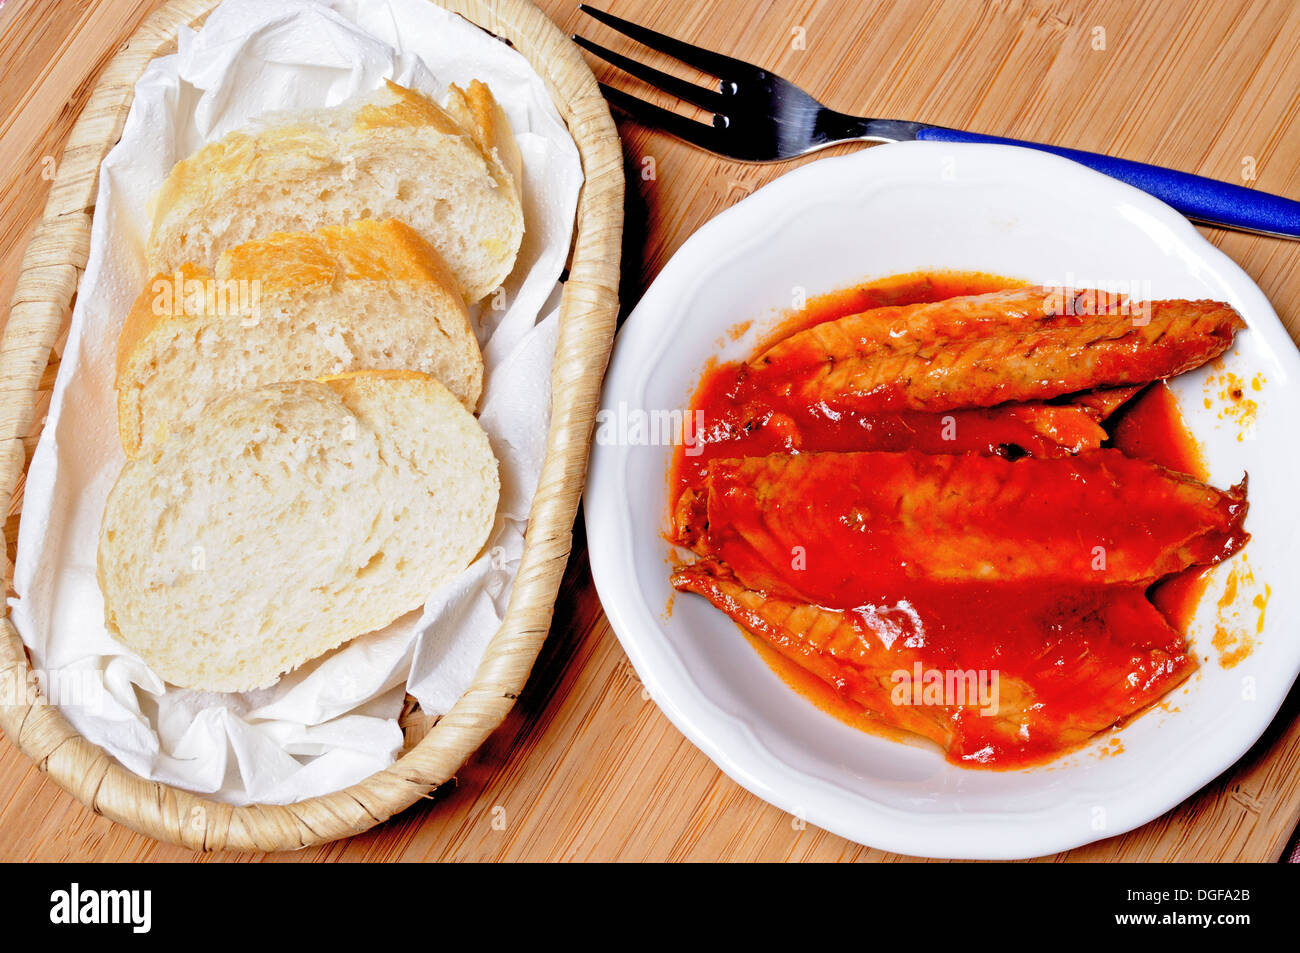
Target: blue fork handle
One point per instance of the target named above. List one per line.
(1205, 200)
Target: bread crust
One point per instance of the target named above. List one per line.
(477, 110)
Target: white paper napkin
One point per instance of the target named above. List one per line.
(334, 721)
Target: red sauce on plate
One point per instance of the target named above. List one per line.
(972, 626)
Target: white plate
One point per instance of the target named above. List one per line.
(903, 208)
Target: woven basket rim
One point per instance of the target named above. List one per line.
(48, 277)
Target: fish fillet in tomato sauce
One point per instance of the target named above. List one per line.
(988, 349)
(1074, 652)
(1065, 664)
(832, 527)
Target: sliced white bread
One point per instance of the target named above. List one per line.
(392, 153)
(289, 519)
(477, 111)
(295, 306)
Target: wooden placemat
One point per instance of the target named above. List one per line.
(585, 767)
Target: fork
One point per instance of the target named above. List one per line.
(760, 117)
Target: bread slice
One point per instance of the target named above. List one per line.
(289, 519)
(477, 111)
(294, 306)
(392, 153)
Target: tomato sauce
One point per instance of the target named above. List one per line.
(1151, 428)
(1041, 631)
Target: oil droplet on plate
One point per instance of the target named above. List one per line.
(1241, 611)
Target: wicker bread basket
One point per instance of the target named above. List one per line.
(47, 281)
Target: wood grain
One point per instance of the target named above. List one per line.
(585, 767)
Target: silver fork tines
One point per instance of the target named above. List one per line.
(706, 61)
(757, 115)
(692, 93)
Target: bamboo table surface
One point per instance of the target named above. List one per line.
(586, 767)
